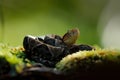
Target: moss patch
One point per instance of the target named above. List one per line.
(88, 60)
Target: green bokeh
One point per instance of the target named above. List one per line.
(41, 17)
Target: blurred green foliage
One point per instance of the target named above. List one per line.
(40, 17)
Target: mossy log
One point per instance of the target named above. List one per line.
(97, 64)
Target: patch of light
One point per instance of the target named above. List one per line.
(111, 33)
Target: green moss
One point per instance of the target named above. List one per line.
(6, 51)
(86, 60)
(15, 59)
(10, 56)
